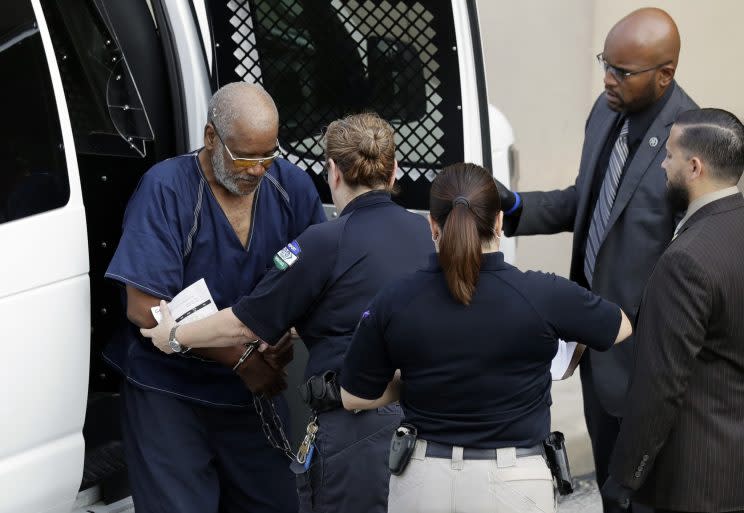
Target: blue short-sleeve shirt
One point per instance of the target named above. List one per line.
(175, 233)
(322, 281)
(476, 375)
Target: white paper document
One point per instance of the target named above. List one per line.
(562, 359)
(191, 304)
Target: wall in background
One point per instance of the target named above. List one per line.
(542, 74)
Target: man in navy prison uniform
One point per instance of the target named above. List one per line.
(219, 214)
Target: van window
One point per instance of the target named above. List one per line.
(106, 110)
(33, 171)
(323, 60)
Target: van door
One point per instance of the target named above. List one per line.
(44, 288)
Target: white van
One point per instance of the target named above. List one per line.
(93, 92)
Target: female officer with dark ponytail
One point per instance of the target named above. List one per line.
(473, 338)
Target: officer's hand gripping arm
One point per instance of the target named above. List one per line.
(218, 330)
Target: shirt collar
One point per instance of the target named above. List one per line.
(703, 200)
(489, 262)
(366, 199)
(640, 122)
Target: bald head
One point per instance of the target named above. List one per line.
(640, 58)
(246, 105)
(649, 33)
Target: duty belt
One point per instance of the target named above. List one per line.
(437, 450)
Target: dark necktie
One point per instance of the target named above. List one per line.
(602, 209)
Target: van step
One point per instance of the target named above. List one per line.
(123, 506)
(102, 463)
(105, 466)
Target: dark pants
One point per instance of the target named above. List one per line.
(188, 458)
(603, 430)
(349, 471)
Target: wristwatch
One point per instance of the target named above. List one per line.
(174, 344)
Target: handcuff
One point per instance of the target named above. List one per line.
(249, 348)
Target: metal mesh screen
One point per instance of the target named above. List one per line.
(321, 60)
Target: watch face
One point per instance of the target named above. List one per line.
(175, 346)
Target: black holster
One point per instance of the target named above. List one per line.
(555, 451)
(322, 393)
(402, 446)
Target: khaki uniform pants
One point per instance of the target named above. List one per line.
(506, 484)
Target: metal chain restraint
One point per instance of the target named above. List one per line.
(273, 429)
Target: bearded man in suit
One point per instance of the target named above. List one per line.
(681, 445)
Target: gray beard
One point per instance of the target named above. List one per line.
(226, 180)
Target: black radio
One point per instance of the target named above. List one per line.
(401, 448)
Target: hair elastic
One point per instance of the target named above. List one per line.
(461, 200)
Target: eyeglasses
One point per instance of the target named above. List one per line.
(243, 162)
(621, 74)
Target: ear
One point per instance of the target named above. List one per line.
(666, 75)
(499, 223)
(434, 227)
(334, 175)
(395, 173)
(698, 171)
(210, 137)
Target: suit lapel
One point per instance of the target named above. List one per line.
(644, 156)
(599, 137)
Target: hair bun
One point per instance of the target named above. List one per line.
(363, 148)
(369, 147)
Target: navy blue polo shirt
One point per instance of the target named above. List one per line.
(175, 233)
(322, 281)
(477, 375)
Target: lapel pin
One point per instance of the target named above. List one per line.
(653, 142)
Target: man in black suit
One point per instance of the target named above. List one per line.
(616, 209)
(681, 445)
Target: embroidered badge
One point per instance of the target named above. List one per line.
(653, 142)
(287, 257)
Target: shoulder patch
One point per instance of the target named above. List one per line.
(294, 247)
(288, 256)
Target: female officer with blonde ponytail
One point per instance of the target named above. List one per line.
(473, 338)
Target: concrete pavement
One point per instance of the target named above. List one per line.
(584, 499)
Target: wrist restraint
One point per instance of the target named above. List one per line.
(249, 348)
